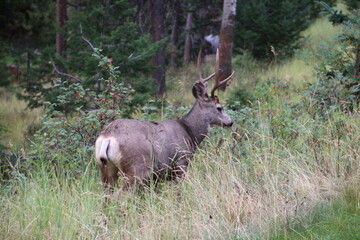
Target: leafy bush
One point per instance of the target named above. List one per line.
(67, 135)
(338, 84)
(239, 98)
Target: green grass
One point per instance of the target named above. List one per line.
(236, 188)
(339, 220)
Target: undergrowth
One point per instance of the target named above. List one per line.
(273, 169)
(338, 220)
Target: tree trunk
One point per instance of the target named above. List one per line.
(357, 64)
(187, 46)
(226, 40)
(60, 32)
(176, 8)
(157, 33)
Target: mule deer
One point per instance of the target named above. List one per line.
(137, 150)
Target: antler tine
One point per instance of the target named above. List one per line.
(219, 84)
(217, 69)
(217, 66)
(199, 64)
(201, 79)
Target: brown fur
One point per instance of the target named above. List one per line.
(137, 149)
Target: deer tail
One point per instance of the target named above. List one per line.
(102, 146)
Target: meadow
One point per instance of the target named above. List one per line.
(278, 173)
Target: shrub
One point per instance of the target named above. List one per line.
(71, 136)
(239, 98)
(338, 84)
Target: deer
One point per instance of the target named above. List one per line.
(138, 150)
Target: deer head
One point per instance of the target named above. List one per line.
(215, 112)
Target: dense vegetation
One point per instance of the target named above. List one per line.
(30, 55)
(288, 169)
(260, 22)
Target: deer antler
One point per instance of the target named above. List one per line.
(201, 79)
(217, 70)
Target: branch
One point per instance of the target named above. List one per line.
(327, 7)
(88, 42)
(65, 74)
(73, 4)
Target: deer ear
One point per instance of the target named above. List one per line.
(199, 90)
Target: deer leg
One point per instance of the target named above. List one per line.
(178, 173)
(129, 181)
(109, 175)
(180, 169)
(138, 176)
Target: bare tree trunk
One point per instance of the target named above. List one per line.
(357, 69)
(187, 46)
(176, 8)
(157, 33)
(226, 40)
(357, 64)
(60, 32)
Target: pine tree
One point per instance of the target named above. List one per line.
(106, 25)
(262, 24)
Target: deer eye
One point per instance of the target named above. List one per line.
(219, 109)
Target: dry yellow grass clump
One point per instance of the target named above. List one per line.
(16, 118)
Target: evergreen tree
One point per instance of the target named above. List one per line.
(26, 27)
(262, 24)
(108, 25)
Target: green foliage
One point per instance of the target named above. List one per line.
(338, 86)
(337, 221)
(336, 17)
(239, 98)
(282, 119)
(352, 4)
(262, 24)
(108, 25)
(64, 135)
(37, 78)
(27, 27)
(29, 21)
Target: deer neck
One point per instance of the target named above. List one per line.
(196, 124)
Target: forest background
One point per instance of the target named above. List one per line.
(289, 168)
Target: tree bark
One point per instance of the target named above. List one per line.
(357, 69)
(187, 46)
(60, 32)
(157, 33)
(176, 9)
(226, 40)
(357, 64)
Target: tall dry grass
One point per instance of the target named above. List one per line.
(234, 189)
(17, 119)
